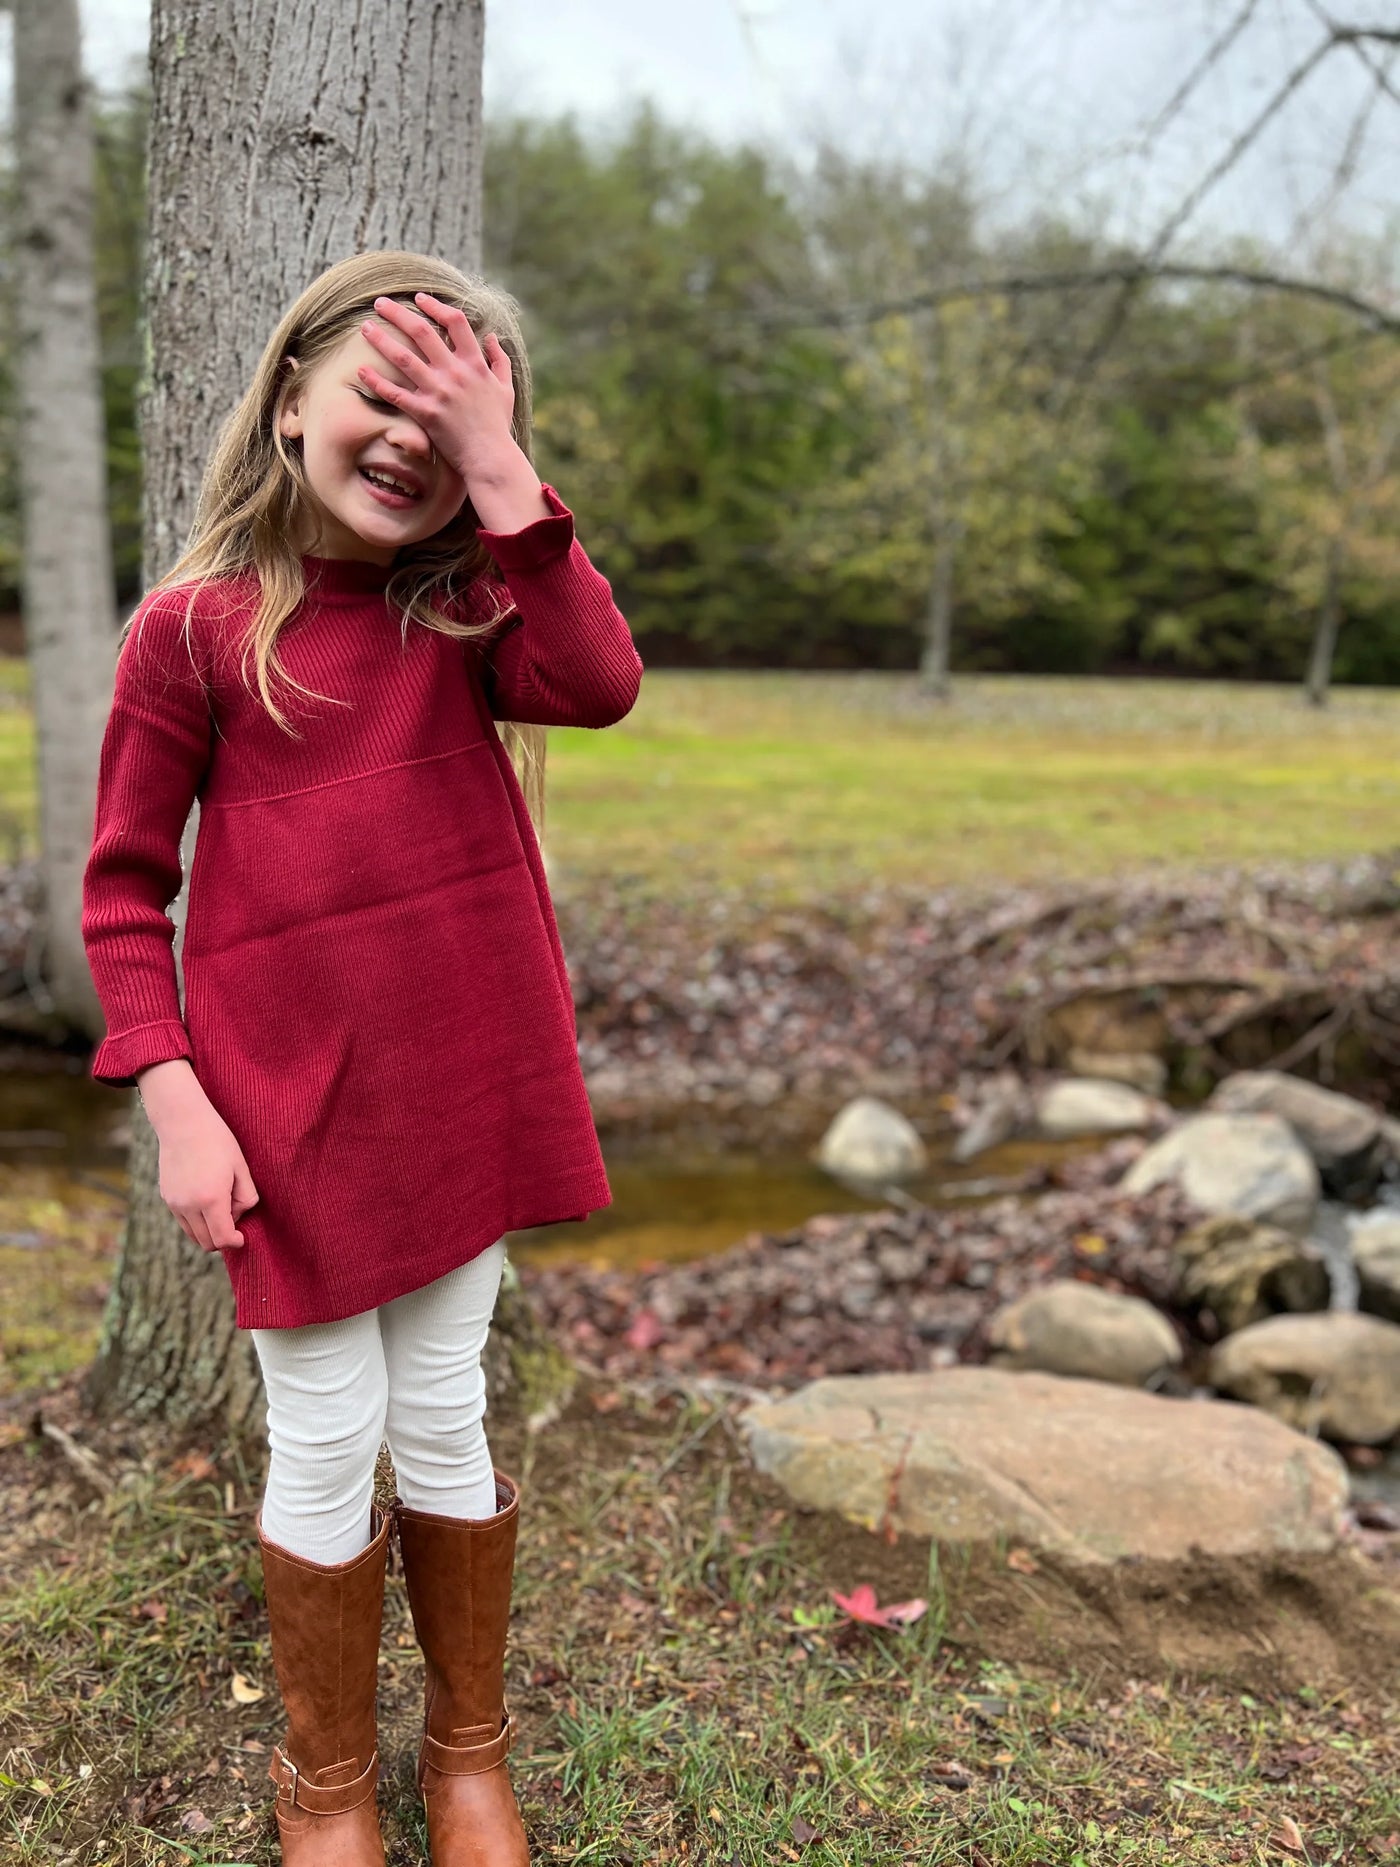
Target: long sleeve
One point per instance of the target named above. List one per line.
(155, 750)
(566, 658)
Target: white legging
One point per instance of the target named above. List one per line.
(409, 1372)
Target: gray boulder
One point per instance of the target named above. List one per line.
(1337, 1374)
(870, 1140)
(1343, 1135)
(1078, 1329)
(1375, 1250)
(1248, 1164)
(1081, 1105)
(1243, 1271)
(1095, 1473)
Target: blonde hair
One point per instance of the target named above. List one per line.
(255, 490)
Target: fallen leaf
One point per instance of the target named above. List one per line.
(196, 1822)
(193, 1465)
(244, 1691)
(154, 1610)
(1288, 1835)
(645, 1331)
(860, 1605)
(803, 1831)
(40, 1787)
(1023, 1562)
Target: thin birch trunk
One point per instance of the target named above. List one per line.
(69, 604)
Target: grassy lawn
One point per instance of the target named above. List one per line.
(812, 782)
(819, 781)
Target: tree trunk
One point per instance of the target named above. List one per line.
(69, 604)
(285, 135)
(1329, 616)
(938, 628)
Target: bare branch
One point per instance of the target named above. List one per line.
(1134, 273)
(1207, 62)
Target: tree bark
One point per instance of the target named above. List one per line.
(69, 603)
(285, 135)
(1329, 616)
(938, 629)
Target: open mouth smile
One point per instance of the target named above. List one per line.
(390, 489)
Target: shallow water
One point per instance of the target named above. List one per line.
(673, 1198)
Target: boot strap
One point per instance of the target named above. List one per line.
(468, 1759)
(294, 1791)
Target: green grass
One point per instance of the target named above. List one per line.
(817, 781)
(811, 782)
(685, 1689)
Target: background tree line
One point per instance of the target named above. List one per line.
(776, 471)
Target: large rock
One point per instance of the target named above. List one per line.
(976, 1454)
(1343, 1136)
(1080, 1105)
(1078, 1329)
(1253, 1165)
(1242, 1271)
(870, 1140)
(1375, 1250)
(1336, 1374)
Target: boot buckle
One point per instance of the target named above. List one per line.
(284, 1773)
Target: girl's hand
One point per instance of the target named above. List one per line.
(462, 396)
(204, 1178)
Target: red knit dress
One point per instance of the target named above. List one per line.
(376, 998)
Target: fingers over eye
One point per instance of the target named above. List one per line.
(381, 386)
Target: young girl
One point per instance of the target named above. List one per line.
(375, 1073)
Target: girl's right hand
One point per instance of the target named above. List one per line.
(204, 1178)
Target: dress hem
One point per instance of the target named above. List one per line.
(243, 1319)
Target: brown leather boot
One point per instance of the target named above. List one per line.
(325, 1620)
(458, 1572)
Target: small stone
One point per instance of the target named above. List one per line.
(1082, 1106)
(870, 1140)
(1079, 1329)
(1336, 1374)
(1253, 1165)
(1138, 1068)
(1242, 1271)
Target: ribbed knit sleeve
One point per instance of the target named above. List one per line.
(155, 750)
(567, 657)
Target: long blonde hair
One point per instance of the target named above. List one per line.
(255, 492)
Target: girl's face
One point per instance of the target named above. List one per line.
(377, 483)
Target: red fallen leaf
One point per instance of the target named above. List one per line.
(193, 1465)
(196, 1822)
(803, 1832)
(645, 1331)
(860, 1605)
(1023, 1562)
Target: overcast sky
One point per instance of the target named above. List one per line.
(1049, 97)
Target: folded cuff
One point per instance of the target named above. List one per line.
(539, 542)
(118, 1059)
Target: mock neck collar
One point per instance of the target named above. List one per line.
(342, 577)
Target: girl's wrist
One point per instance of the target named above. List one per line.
(506, 492)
